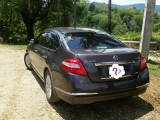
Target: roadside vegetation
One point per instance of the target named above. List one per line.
(154, 66)
(154, 69)
(18, 28)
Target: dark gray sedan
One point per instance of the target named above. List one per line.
(82, 66)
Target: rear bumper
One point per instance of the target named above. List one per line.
(77, 89)
(86, 98)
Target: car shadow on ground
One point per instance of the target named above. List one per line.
(121, 109)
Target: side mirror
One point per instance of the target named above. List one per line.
(32, 41)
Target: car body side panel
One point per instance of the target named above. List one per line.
(59, 76)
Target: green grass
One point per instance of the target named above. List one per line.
(154, 66)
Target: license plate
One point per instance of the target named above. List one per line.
(116, 71)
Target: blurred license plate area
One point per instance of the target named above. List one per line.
(104, 70)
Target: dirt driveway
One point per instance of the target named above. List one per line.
(22, 97)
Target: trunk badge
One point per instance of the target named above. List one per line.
(115, 57)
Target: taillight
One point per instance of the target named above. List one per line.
(143, 64)
(74, 66)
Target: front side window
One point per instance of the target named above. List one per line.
(91, 40)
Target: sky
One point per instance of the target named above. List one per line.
(124, 2)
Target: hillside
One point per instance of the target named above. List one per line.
(139, 6)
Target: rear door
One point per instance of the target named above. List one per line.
(48, 44)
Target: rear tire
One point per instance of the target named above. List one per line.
(27, 61)
(49, 89)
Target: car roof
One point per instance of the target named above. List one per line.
(65, 30)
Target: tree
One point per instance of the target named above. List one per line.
(120, 28)
(82, 12)
(67, 12)
(101, 8)
(11, 25)
(75, 13)
(33, 11)
(58, 13)
(19, 17)
(109, 16)
(91, 7)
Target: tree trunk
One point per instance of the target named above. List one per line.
(58, 13)
(29, 23)
(65, 18)
(30, 31)
(109, 17)
(32, 12)
(75, 13)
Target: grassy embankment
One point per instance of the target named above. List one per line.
(137, 36)
(154, 66)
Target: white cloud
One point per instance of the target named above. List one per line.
(125, 2)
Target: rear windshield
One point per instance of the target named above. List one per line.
(91, 40)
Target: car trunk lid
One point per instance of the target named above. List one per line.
(97, 62)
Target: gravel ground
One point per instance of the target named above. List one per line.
(22, 97)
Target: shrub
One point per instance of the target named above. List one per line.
(130, 36)
(156, 37)
(1, 39)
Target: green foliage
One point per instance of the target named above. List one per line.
(133, 19)
(91, 7)
(17, 15)
(12, 27)
(82, 12)
(120, 28)
(134, 36)
(156, 27)
(130, 36)
(1, 39)
(156, 37)
(99, 21)
(154, 66)
(101, 8)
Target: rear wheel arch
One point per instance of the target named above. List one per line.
(50, 95)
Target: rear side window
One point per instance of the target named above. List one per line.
(49, 40)
(42, 40)
(53, 39)
(91, 40)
